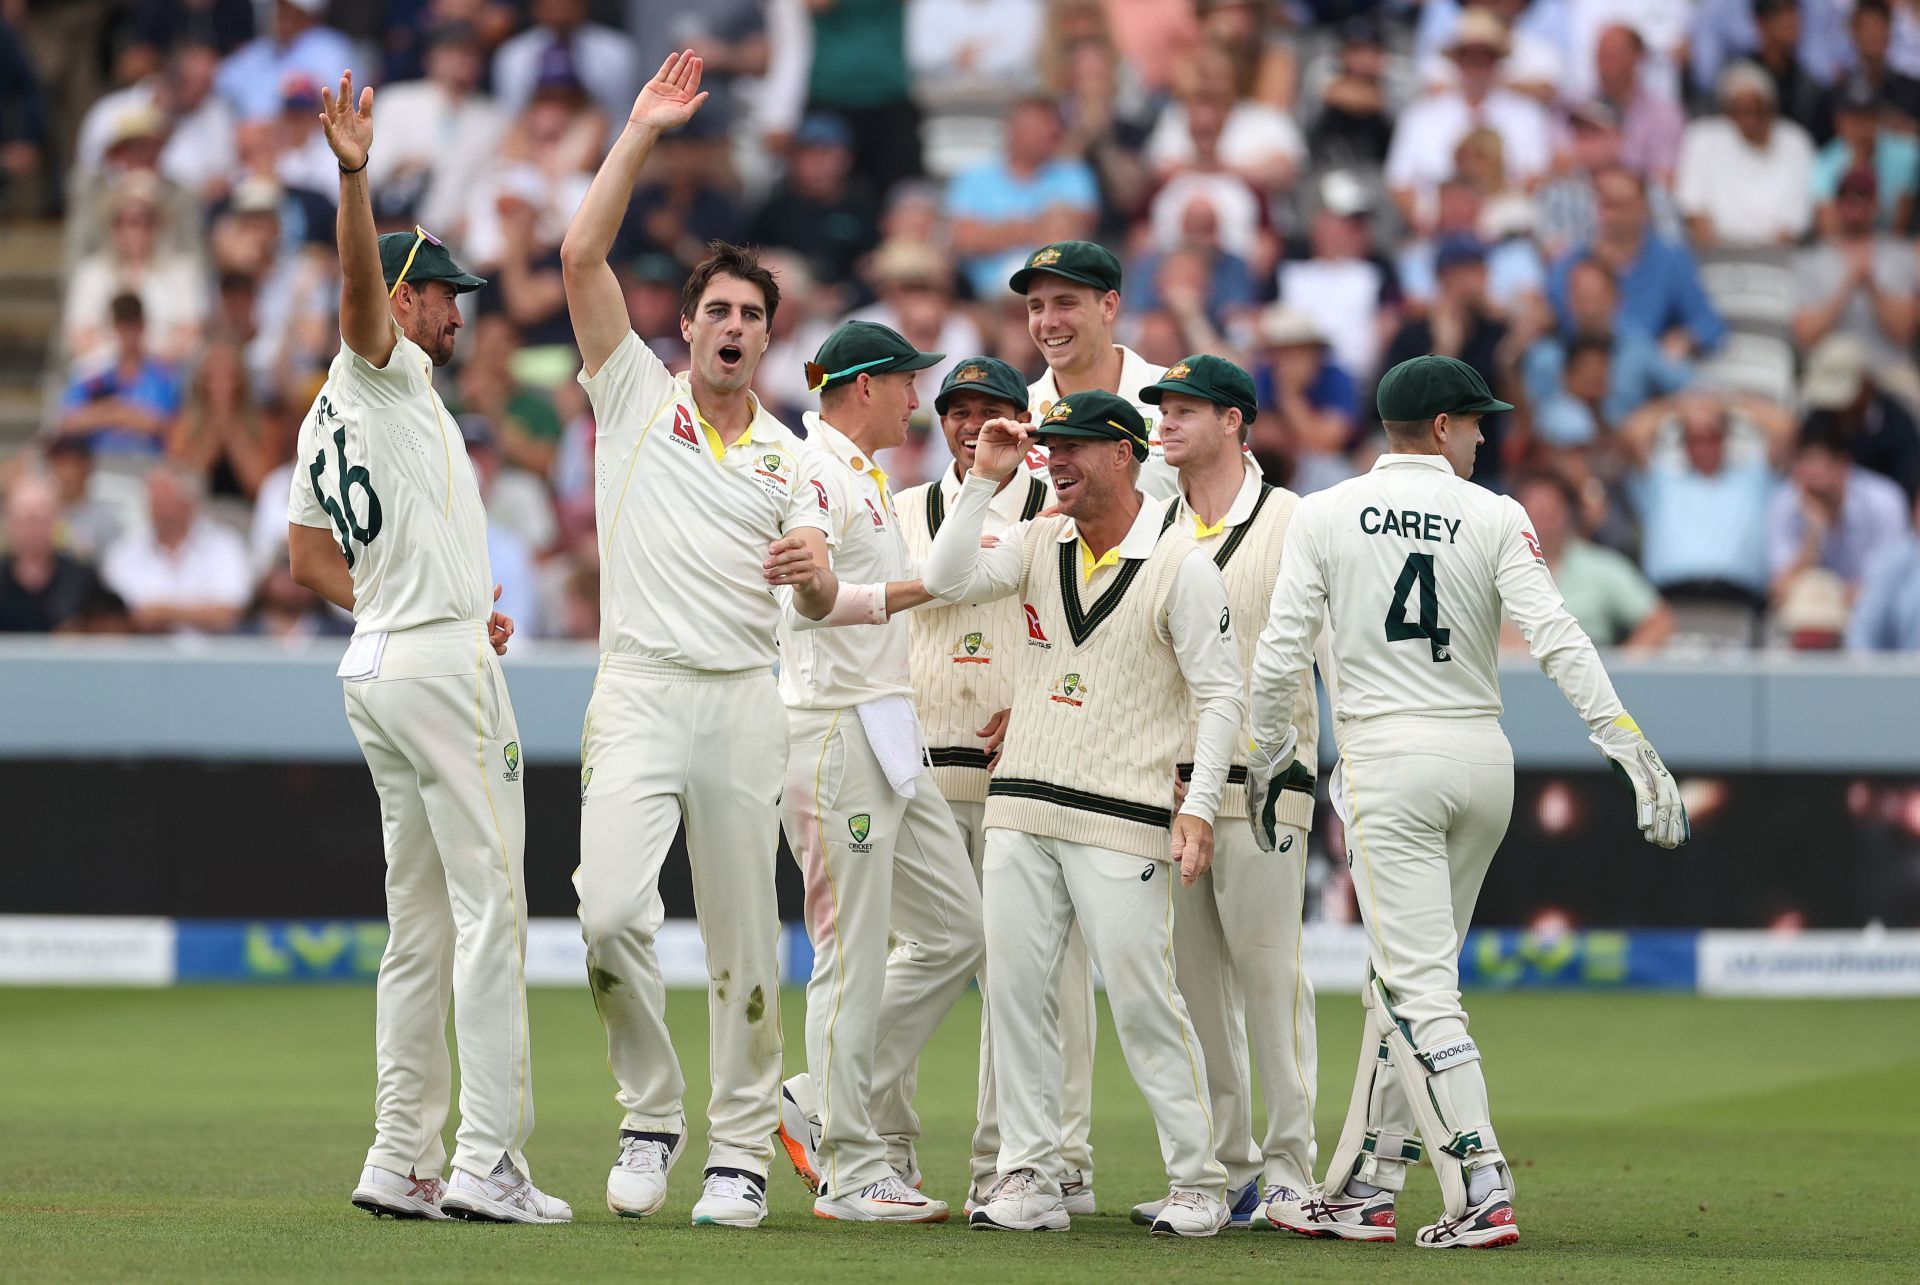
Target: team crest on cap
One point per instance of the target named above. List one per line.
(1041, 258)
(1057, 412)
(970, 375)
(1180, 372)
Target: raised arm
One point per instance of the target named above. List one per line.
(957, 568)
(594, 299)
(366, 324)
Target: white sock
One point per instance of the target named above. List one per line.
(1481, 1180)
(1361, 1190)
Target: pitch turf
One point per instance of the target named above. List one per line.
(213, 1135)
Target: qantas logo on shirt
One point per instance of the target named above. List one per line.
(820, 494)
(683, 426)
(878, 521)
(1533, 547)
(1036, 636)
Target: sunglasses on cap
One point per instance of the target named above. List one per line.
(420, 237)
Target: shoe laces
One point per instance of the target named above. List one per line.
(1189, 1200)
(643, 1155)
(1019, 1183)
(889, 1188)
(733, 1186)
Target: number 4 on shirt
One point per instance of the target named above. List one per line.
(1418, 571)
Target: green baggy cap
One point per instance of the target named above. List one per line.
(1210, 378)
(1096, 414)
(418, 256)
(1422, 387)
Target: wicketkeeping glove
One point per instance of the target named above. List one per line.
(1265, 772)
(1661, 815)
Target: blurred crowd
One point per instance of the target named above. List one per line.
(1679, 235)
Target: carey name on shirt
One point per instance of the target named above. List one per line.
(1411, 523)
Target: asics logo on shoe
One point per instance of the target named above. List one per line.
(1503, 1216)
(1381, 1218)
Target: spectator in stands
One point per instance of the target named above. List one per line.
(1030, 196)
(42, 587)
(1886, 614)
(1228, 291)
(137, 260)
(1860, 283)
(197, 122)
(601, 58)
(87, 523)
(1514, 270)
(973, 51)
(1745, 177)
(1863, 141)
(1650, 122)
(733, 42)
(223, 435)
(1870, 27)
(524, 424)
(182, 573)
(1660, 291)
(1309, 406)
(1254, 34)
(1637, 369)
(1603, 589)
(1567, 204)
(1346, 286)
(1106, 130)
(130, 407)
(439, 135)
(1207, 126)
(1840, 381)
(1704, 507)
(1834, 514)
(1207, 196)
(820, 207)
(809, 311)
(1540, 36)
(859, 73)
(547, 158)
(252, 76)
(532, 294)
(653, 306)
(1812, 613)
(284, 608)
(1776, 51)
(287, 305)
(1360, 101)
(1460, 322)
(510, 551)
(1430, 129)
(23, 113)
(913, 283)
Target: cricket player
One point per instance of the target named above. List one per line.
(385, 521)
(1073, 298)
(962, 656)
(693, 482)
(1127, 631)
(877, 844)
(1410, 566)
(1236, 932)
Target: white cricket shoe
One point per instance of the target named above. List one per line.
(730, 1200)
(1487, 1225)
(886, 1201)
(800, 1128)
(1146, 1211)
(384, 1192)
(504, 1196)
(1340, 1217)
(637, 1183)
(1276, 1202)
(1076, 1192)
(1016, 1203)
(910, 1173)
(1191, 1213)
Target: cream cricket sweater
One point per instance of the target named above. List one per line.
(1101, 710)
(1247, 548)
(963, 654)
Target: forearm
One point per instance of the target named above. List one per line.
(1214, 743)
(1198, 625)
(1895, 313)
(815, 600)
(1567, 656)
(957, 569)
(364, 322)
(868, 604)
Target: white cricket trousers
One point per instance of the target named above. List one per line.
(1079, 1024)
(877, 867)
(439, 735)
(1427, 803)
(1035, 890)
(664, 745)
(1236, 941)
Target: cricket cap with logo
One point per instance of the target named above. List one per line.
(864, 348)
(1086, 262)
(1096, 414)
(987, 375)
(1210, 378)
(1422, 387)
(418, 256)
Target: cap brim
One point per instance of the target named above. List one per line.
(1139, 445)
(1491, 406)
(945, 396)
(919, 361)
(1018, 281)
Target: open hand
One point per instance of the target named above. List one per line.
(499, 627)
(349, 129)
(670, 99)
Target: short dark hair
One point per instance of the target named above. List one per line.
(1825, 431)
(1880, 7)
(725, 259)
(1590, 264)
(127, 310)
(1399, 430)
(1588, 343)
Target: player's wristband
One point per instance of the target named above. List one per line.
(362, 165)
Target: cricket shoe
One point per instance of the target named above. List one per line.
(1246, 1206)
(384, 1192)
(1076, 1192)
(1191, 1213)
(730, 1198)
(910, 1174)
(1487, 1225)
(886, 1201)
(1274, 1202)
(637, 1183)
(800, 1128)
(1016, 1203)
(1339, 1217)
(504, 1196)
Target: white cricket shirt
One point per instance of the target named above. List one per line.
(1411, 567)
(381, 464)
(685, 522)
(1158, 479)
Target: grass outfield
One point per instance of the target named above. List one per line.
(213, 1134)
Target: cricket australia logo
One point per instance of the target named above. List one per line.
(974, 649)
(1180, 371)
(860, 825)
(512, 755)
(1042, 258)
(1068, 689)
(971, 375)
(770, 466)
